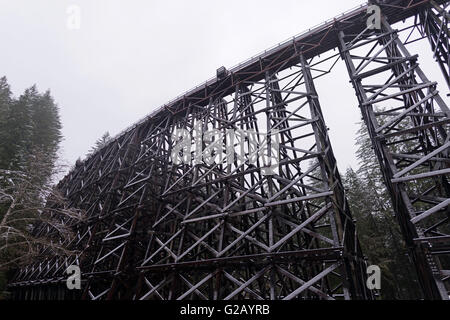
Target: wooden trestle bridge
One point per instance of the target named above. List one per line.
(161, 229)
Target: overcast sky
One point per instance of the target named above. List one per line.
(129, 57)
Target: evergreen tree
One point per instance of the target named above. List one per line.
(378, 230)
(100, 143)
(5, 106)
(5, 103)
(30, 133)
(19, 130)
(46, 133)
(29, 124)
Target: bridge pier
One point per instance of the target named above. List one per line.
(435, 22)
(408, 123)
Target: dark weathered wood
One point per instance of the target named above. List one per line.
(159, 229)
(412, 145)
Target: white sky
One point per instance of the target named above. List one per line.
(129, 57)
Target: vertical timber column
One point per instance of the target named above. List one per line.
(408, 123)
(435, 23)
(343, 226)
